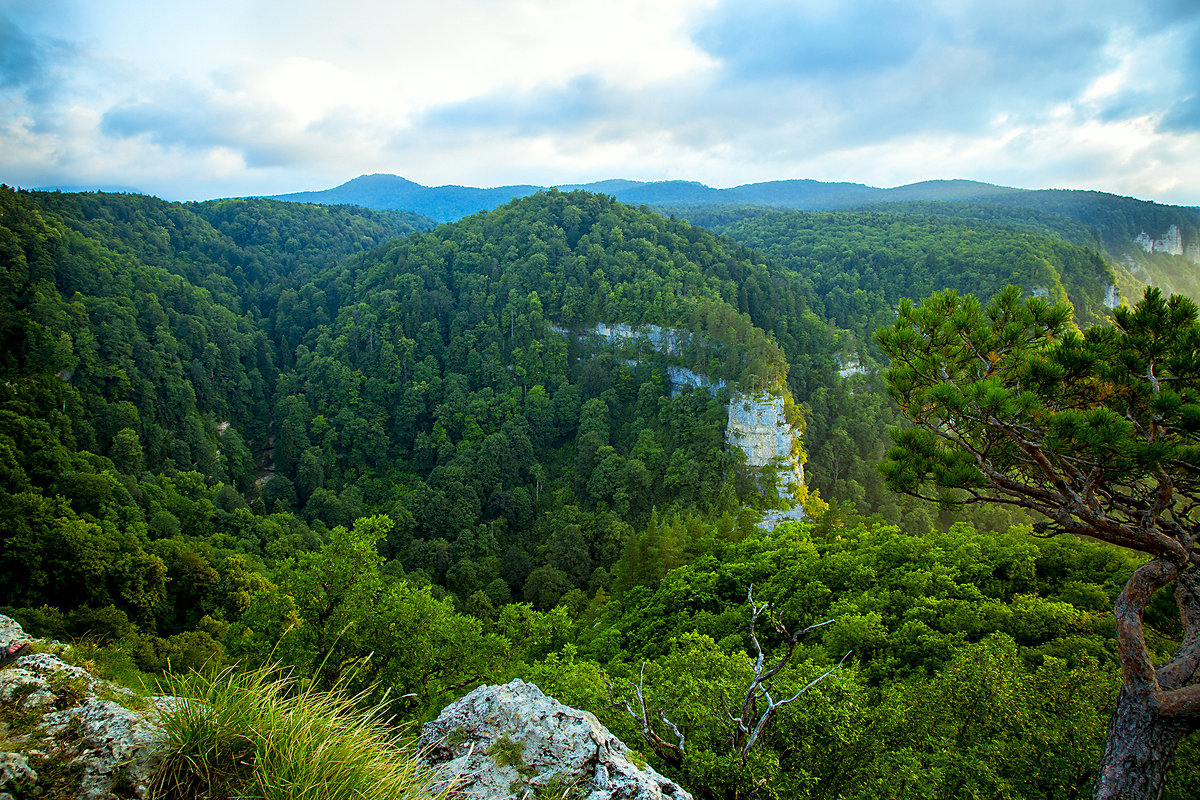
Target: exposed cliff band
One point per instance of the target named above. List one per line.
(763, 423)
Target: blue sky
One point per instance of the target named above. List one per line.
(193, 100)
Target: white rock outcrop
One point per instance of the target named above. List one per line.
(1112, 296)
(671, 341)
(513, 741)
(682, 378)
(1170, 242)
(758, 426)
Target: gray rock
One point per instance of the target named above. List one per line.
(24, 688)
(11, 632)
(15, 770)
(101, 741)
(47, 665)
(513, 741)
(111, 743)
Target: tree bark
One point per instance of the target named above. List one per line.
(1139, 751)
(1156, 707)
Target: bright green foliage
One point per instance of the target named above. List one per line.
(339, 619)
(904, 603)
(982, 662)
(46, 551)
(1099, 432)
(988, 725)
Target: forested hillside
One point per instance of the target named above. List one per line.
(861, 263)
(1144, 242)
(246, 432)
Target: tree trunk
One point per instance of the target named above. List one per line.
(1139, 751)
(1157, 707)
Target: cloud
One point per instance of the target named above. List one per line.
(252, 96)
(779, 40)
(1183, 115)
(1017, 92)
(31, 63)
(886, 68)
(585, 100)
(20, 63)
(190, 117)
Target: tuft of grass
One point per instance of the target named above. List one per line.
(559, 788)
(112, 663)
(507, 752)
(257, 736)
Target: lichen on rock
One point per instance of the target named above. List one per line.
(68, 735)
(513, 741)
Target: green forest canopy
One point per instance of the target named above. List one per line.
(448, 475)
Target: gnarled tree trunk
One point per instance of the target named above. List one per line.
(1156, 707)
(1139, 751)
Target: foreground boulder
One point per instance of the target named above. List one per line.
(512, 741)
(67, 733)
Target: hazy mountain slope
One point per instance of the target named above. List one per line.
(862, 264)
(1155, 243)
(441, 203)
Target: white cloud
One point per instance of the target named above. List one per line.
(261, 96)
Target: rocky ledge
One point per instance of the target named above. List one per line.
(65, 733)
(513, 741)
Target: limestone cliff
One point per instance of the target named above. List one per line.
(1112, 296)
(759, 427)
(1173, 241)
(758, 423)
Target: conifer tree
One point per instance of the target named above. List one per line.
(1098, 434)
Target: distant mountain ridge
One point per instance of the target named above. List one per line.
(448, 203)
(441, 203)
(1156, 243)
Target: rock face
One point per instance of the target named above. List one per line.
(1170, 242)
(758, 426)
(666, 340)
(69, 733)
(682, 378)
(1112, 296)
(513, 741)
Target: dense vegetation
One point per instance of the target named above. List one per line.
(1108, 223)
(859, 266)
(1098, 434)
(862, 263)
(245, 432)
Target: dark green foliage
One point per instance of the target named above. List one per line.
(862, 264)
(254, 432)
(1107, 419)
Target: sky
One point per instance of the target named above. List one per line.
(192, 100)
